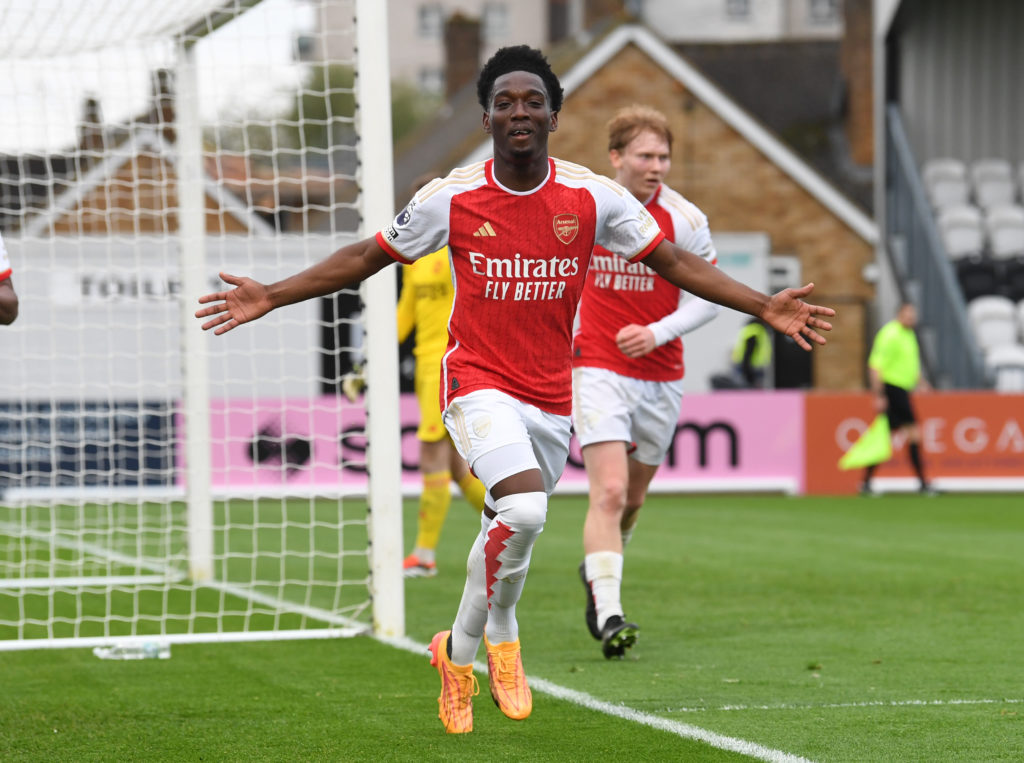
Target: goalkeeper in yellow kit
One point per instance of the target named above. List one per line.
(425, 304)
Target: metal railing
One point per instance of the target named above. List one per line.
(924, 270)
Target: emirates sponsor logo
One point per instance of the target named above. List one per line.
(613, 272)
(566, 227)
(524, 278)
(604, 262)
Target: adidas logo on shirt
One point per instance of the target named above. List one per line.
(485, 230)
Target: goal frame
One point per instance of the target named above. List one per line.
(384, 497)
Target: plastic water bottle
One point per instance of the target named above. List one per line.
(143, 650)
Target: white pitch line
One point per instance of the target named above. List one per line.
(583, 699)
(834, 705)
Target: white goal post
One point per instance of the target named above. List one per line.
(156, 481)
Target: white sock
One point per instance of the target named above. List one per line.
(468, 628)
(604, 572)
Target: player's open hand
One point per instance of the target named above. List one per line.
(246, 302)
(788, 313)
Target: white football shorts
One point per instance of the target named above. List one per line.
(486, 420)
(609, 407)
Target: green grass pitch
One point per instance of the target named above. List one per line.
(832, 629)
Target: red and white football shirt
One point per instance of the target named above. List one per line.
(618, 293)
(5, 262)
(519, 262)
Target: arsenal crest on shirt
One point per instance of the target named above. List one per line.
(566, 227)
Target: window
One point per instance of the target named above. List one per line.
(430, 21)
(823, 11)
(737, 10)
(431, 79)
(494, 23)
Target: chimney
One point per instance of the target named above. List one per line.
(90, 129)
(565, 21)
(161, 112)
(596, 11)
(461, 52)
(857, 67)
(558, 20)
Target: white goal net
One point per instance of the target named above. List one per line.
(157, 481)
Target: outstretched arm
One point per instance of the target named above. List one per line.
(785, 311)
(8, 302)
(251, 299)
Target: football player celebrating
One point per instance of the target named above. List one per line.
(628, 367)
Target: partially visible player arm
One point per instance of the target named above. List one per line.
(691, 314)
(8, 302)
(251, 299)
(635, 340)
(785, 311)
(8, 297)
(693, 235)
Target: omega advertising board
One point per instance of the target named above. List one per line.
(970, 441)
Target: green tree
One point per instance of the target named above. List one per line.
(410, 107)
(324, 110)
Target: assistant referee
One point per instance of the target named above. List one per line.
(894, 369)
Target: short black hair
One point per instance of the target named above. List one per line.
(518, 58)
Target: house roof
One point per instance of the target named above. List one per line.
(722, 105)
(141, 138)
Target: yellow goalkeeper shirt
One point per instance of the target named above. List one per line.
(425, 304)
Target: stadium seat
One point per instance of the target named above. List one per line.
(945, 182)
(963, 230)
(1004, 226)
(978, 277)
(1006, 363)
(992, 182)
(993, 320)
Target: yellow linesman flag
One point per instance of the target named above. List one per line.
(872, 447)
